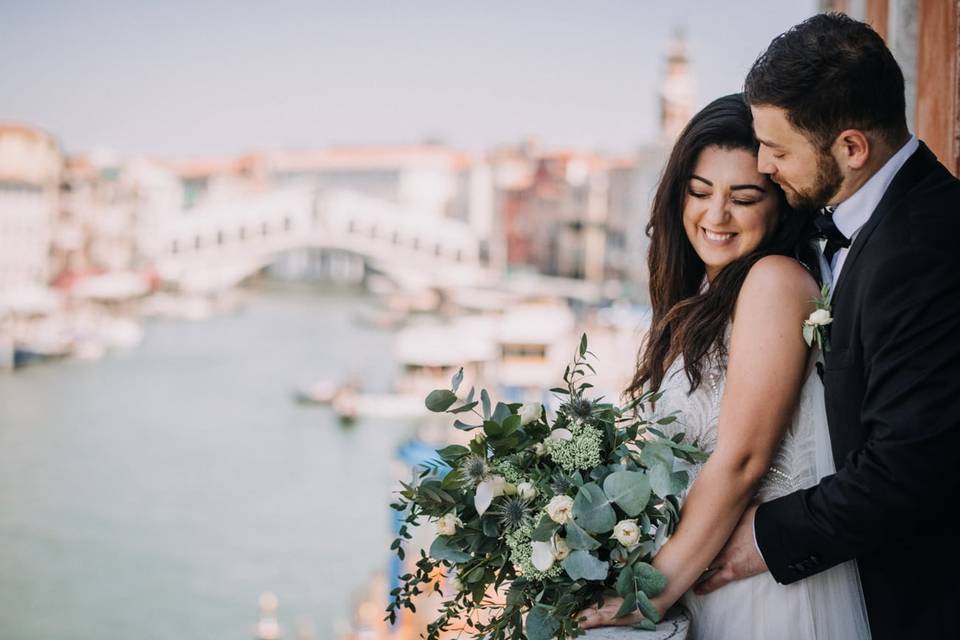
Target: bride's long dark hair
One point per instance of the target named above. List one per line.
(687, 322)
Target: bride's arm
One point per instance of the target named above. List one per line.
(766, 367)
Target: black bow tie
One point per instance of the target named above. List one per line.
(827, 229)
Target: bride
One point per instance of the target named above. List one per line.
(730, 292)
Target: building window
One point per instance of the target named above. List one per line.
(197, 242)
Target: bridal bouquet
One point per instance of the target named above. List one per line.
(541, 517)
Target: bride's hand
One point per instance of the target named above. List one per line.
(605, 616)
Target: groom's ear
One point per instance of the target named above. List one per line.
(852, 148)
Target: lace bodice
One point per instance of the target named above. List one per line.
(698, 414)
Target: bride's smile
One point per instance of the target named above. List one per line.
(729, 208)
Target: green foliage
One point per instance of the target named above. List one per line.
(541, 625)
(592, 509)
(630, 490)
(616, 464)
(440, 400)
(583, 564)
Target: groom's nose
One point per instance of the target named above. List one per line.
(765, 161)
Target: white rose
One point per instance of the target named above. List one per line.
(526, 490)
(447, 524)
(819, 318)
(627, 532)
(541, 555)
(560, 509)
(487, 490)
(560, 548)
(530, 412)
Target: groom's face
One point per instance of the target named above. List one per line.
(809, 176)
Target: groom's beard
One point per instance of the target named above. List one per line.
(825, 186)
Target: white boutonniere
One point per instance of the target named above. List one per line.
(816, 328)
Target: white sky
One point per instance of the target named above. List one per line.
(182, 78)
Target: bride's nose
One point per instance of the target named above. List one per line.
(717, 212)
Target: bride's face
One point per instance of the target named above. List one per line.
(729, 208)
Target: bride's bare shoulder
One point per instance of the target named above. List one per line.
(777, 280)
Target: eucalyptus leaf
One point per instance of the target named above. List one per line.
(649, 579)
(500, 412)
(493, 429)
(630, 490)
(661, 480)
(463, 426)
(541, 625)
(577, 538)
(629, 604)
(490, 528)
(439, 400)
(464, 407)
(582, 564)
(625, 583)
(453, 452)
(456, 380)
(442, 549)
(592, 510)
(583, 345)
(646, 607)
(510, 424)
(485, 401)
(679, 481)
(545, 529)
(657, 452)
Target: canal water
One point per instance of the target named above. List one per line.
(157, 493)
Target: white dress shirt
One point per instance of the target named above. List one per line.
(854, 212)
(850, 216)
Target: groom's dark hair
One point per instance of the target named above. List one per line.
(831, 73)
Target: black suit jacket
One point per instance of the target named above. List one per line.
(892, 384)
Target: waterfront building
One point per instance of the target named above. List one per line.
(30, 169)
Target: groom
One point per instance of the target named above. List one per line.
(828, 105)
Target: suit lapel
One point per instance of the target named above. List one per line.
(910, 173)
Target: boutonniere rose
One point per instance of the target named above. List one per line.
(816, 328)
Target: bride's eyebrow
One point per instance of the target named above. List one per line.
(704, 180)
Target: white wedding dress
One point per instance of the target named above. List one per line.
(825, 606)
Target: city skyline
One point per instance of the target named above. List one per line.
(158, 80)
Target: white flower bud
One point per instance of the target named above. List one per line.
(530, 412)
(560, 509)
(447, 524)
(627, 532)
(498, 484)
(560, 548)
(526, 490)
(819, 318)
(539, 449)
(560, 434)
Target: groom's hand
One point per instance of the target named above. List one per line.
(737, 560)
